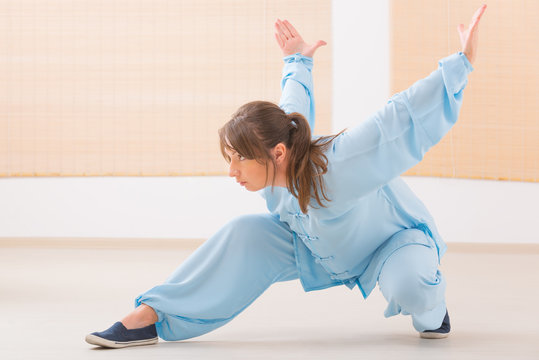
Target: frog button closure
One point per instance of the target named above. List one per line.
(308, 237)
(299, 215)
(340, 276)
(312, 237)
(319, 260)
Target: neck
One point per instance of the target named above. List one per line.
(280, 180)
(280, 176)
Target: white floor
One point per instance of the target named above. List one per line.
(51, 297)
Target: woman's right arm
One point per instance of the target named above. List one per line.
(297, 81)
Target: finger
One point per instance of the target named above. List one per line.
(291, 28)
(280, 30)
(478, 13)
(283, 39)
(461, 30)
(277, 28)
(280, 33)
(285, 31)
(279, 41)
(475, 23)
(472, 28)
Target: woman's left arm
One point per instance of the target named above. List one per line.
(396, 137)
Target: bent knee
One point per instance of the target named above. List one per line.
(412, 279)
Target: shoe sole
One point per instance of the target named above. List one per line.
(96, 340)
(433, 335)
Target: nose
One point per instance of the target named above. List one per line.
(232, 172)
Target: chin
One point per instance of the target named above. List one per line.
(251, 188)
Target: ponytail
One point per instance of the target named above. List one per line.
(306, 163)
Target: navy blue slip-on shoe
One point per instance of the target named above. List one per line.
(117, 336)
(441, 332)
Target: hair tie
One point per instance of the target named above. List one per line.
(294, 124)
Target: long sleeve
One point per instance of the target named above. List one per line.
(297, 87)
(396, 137)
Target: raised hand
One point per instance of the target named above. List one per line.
(468, 37)
(291, 42)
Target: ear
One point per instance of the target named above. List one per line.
(279, 153)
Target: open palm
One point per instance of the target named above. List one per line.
(291, 42)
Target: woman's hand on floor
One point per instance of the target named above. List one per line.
(291, 42)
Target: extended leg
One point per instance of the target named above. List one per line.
(222, 277)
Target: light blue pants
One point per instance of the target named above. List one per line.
(236, 265)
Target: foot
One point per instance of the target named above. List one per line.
(118, 336)
(441, 332)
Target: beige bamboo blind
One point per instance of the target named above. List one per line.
(497, 135)
(116, 87)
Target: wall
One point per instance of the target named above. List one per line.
(172, 207)
(195, 207)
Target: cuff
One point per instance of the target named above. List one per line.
(455, 69)
(467, 63)
(297, 57)
(298, 67)
(140, 300)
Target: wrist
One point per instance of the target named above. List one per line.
(468, 57)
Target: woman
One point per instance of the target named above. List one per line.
(339, 213)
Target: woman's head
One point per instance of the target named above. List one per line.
(265, 146)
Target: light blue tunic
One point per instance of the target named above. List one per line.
(348, 241)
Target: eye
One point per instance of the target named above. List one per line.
(241, 158)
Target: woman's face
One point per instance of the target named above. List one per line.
(249, 173)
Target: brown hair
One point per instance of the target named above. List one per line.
(255, 129)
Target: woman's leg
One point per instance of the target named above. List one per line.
(141, 317)
(222, 277)
(412, 284)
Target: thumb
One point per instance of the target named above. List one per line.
(461, 28)
(312, 48)
(319, 43)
